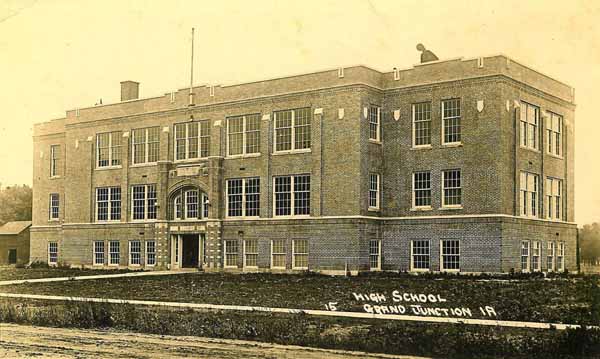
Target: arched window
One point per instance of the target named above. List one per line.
(189, 203)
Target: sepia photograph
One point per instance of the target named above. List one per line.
(299, 179)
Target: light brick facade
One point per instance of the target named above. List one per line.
(341, 227)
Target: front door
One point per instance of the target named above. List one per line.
(12, 256)
(189, 251)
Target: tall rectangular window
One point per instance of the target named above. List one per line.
(554, 188)
(108, 149)
(292, 195)
(375, 123)
(550, 256)
(451, 188)
(560, 257)
(278, 253)
(54, 160)
(451, 126)
(135, 253)
(54, 206)
(529, 125)
(421, 129)
(52, 252)
(243, 135)
(114, 252)
(251, 253)
(108, 204)
(374, 255)
(145, 145)
(450, 255)
(374, 193)
(192, 140)
(535, 256)
(300, 253)
(525, 256)
(420, 254)
(243, 197)
(150, 253)
(292, 130)
(554, 130)
(231, 253)
(529, 194)
(98, 252)
(421, 189)
(143, 202)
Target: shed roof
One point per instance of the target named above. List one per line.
(14, 227)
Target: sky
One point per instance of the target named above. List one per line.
(57, 55)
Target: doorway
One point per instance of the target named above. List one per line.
(189, 250)
(12, 256)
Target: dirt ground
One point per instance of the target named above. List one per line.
(19, 341)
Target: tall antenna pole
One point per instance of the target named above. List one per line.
(192, 72)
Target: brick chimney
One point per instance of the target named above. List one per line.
(130, 90)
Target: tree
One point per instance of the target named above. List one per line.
(589, 242)
(15, 204)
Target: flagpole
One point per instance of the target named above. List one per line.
(192, 72)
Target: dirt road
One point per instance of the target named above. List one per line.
(18, 341)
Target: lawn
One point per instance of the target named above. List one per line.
(10, 273)
(572, 300)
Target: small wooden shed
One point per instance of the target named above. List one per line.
(14, 243)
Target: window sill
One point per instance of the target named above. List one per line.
(300, 268)
(249, 155)
(292, 217)
(106, 168)
(374, 209)
(375, 269)
(143, 220)
(233, 218)
(450, 270)
(419, 209)
(452, 144)
(149, 164)
(108, 222)
(450, 208)
(377, 142)
(555, 156)
(55, 220)
(530, 149)
(291, 152)
(230, 267)
(278, 268)
(419, 270)
(55, 177)
(190, 160)
(423, 147)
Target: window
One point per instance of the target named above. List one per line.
(190, 204)
(52, 252)
(278, 253)
(420, 253)
(192, 140)
(300, 253)
(529, 125)
(108, 151)
(535, 256)
(292, 195)
(550, 256)
(150, 253)
(251, 253)
(374, 191)
(529, 194)
(243, 135)
(560, 257)
(54, 160)
(98, 253)
(554, 190)
(451, 131)
(421, 131)
(231, 253)
(144, 202)
(375, 123)
(108, 204)
(422, 190)
(54, 206)
(145, 145)
(12, 256)
(135, 253)
(450, 255)
(525, 256)
(292, 130)
(114, 253)
(176, 240)
(375, 255)
(243, 197)
(451, 188)
(554, 125)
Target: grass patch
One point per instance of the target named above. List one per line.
(36, 272)
(437, 340)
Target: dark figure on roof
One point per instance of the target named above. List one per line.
(426, 55)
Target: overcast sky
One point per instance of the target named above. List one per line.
(58, 55)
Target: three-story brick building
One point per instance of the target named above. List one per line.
(457, 165)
